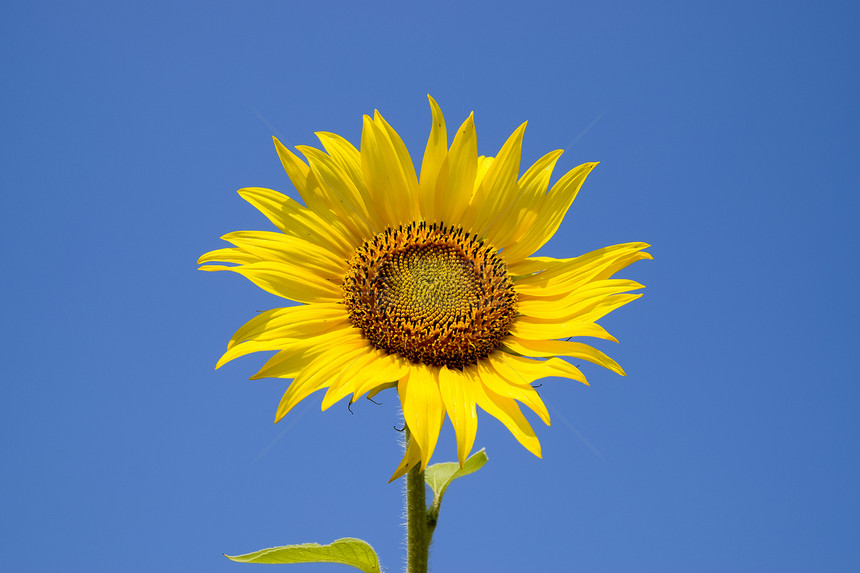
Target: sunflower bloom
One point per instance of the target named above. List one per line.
(426, 284)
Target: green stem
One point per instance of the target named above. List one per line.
(417, 535)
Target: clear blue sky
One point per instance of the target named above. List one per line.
(728, 139)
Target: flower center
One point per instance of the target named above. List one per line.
(431, 293)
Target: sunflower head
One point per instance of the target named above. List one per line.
(432, 294)
(425, 284)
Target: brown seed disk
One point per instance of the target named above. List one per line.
(431, 293)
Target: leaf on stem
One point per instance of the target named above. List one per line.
(348, 551)
(440, 476)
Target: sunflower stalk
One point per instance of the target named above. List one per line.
(419, 530)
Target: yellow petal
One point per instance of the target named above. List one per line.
(387, 184)
(289, 362)
(535, 181)
(319, 374)
(483, 166)
(376, 175)
(422, 408)
(347, 200)
(295, 354)
(228, 256)
(502, 378)
(539, 348)
(498, 189)
(607, 305)
(268, 246)
(545, 277)
(349, 160)
(584, 291)
(411, 457)
(286, 281)
(434, 156)
(586, 310)
(344, 152)
(374, 391)
(304, 181)
(371, 369)
(351, 376)
(462, 164)
(316, 334)
(389, 369)
(457, 389)
(301, 321)
(528, 369)
(296, 220)
(467, 219)
(549, 329)
(623, 262)
(525, 268)
(404, 166)
(553, 210)
(516, 219)
(574, 304)
(508, 413)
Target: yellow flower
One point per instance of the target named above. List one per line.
(426, 284)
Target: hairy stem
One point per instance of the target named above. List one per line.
(417, 535)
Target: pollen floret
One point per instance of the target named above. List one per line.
(431, 293)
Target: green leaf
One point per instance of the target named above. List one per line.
(440, 476)
(348, 551)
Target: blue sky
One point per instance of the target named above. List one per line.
(727, 136)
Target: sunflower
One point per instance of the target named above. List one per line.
(426, 284)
